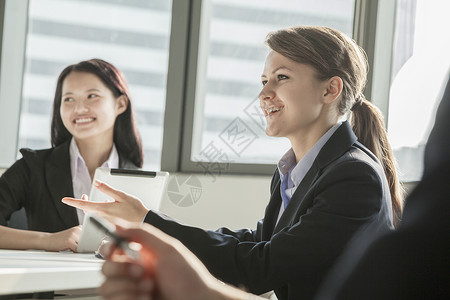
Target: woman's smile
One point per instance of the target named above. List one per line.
(83, 120)
(270, 111)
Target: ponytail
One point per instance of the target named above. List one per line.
(368, 125)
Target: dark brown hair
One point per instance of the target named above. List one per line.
(126, 135)
(332, 53)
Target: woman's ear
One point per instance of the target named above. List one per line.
(333, 90)
(121, 104)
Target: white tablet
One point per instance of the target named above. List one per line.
(148, 186)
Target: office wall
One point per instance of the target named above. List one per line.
(234, 201)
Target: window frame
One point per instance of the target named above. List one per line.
(183, 84)
(14, 20)
(373, 30)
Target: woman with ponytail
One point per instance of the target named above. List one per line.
(331, 53)
(326, 188)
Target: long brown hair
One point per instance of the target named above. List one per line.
(332, 53)
(126, 135)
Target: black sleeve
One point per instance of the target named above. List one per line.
(14, 186)
(346, 197)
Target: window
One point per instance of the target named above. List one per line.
(420, 65)
(208, 104)
(228, 124)
(132, 35)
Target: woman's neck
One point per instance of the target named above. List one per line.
(305, 139)
(94, 152)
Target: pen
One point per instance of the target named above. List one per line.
(129, 249)
(109, 230)
(126, 250)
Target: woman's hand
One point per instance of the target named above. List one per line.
(124, 206)
(62, 240)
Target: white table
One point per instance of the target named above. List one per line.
(40, 271)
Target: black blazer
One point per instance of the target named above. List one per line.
(38, 181)
(344, 190)
(412, 262)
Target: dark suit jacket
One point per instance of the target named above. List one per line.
(412, 262)
(345, 189)
(38, 182)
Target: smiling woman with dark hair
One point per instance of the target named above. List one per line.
(126, 136)
(93, 125)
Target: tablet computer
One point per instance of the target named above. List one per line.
(148, 186)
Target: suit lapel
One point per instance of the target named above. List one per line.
(335, 147)
(59, 183)
(293, 207)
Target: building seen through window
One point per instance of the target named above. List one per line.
(229, 126)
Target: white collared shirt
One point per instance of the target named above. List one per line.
(292, 173)
(81, 180)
